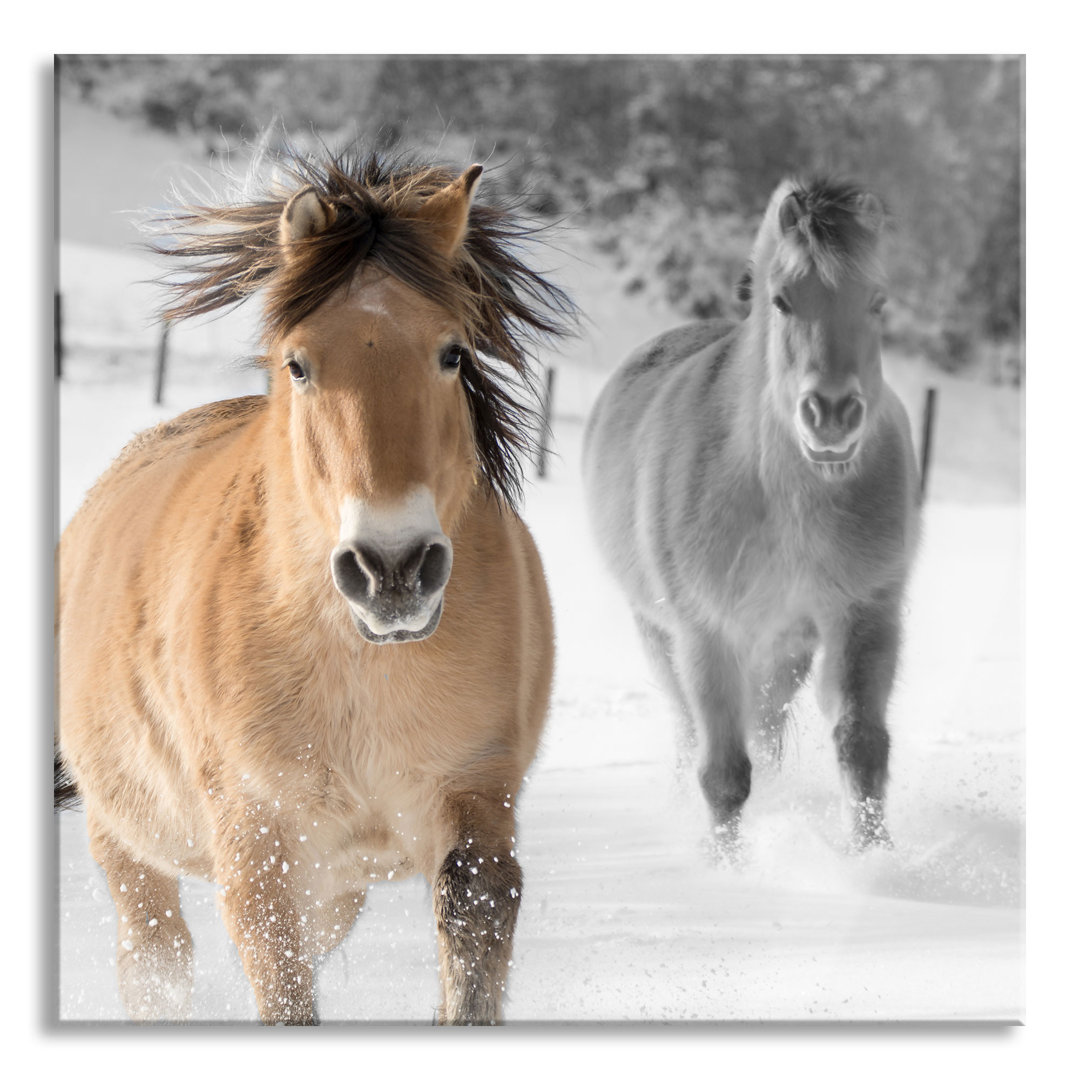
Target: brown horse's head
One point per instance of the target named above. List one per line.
(819, 308)
(389, 297)
(379, 424)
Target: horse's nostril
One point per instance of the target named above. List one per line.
(363, 574)
(356, 573)
(851, 413)
(426, 568)
(823, 414)
(434, 567)
(813, 412)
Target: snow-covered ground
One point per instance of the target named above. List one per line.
(624, 920)
(623, 917)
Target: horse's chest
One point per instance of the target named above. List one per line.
(375, 826)
(348, 822)
(367, 783)
(767, 577)
(763, 586)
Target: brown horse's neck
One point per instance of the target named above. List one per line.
(296, 555)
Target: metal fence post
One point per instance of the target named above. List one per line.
(58, 338)
(927, 440)
(162, 358)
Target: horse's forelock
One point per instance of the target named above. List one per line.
(233, 251)
(831, 237)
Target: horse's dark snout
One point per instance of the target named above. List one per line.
(394, 593)
(364, 573)
(831, 421)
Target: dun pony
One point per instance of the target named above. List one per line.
(304, 640)
(753, 488)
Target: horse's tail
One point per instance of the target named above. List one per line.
(65, 793)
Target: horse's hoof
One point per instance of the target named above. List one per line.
(869, 831)
(156, 985)
(723, 846)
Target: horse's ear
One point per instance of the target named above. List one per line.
(305, 214)
(870, 211)
(447, 211)
(791, 210)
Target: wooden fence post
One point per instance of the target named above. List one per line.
(58, 337)
(927, 440)
(162, 357)
(545, 428)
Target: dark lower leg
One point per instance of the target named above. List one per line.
(714, 686)
(859, 672)
(863, 753)
(476, 904)
(477, 894)
(725, 782)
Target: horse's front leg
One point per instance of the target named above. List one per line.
(714, 685)
(476, 893)
(261, 905)
(154, 956)
(861, 651)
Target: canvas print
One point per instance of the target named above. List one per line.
(540, 540)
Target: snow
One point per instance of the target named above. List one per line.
(623, 918)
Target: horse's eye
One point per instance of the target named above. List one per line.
(781, 305)
(452, 357)
(295, 369)
(878, 305)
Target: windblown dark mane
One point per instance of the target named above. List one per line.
(506, 307)
(831, 236)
